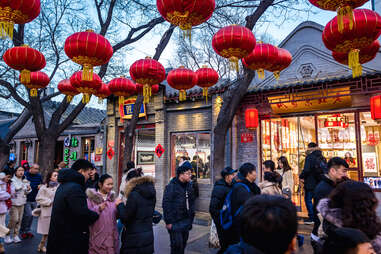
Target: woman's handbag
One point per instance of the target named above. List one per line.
(36, 212)
(156, 217)
(214, 242)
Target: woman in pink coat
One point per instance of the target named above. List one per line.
(104, 237)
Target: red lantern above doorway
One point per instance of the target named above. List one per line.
(375, 107)
(88, 49)
(251, 118)
(122, 87)
(87, 87)
(182, 79)
(234, 42)
(67, 89)
(17, 12)
(206, 77)
(38, 80)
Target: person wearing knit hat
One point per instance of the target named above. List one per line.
(178, 208)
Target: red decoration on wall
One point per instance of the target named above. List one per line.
(87, 87)
(375, 107)
(206, 77)
(182, 79)
(251, 118)
(110, 153)
(247, 137)
(159, 150)
(88, 49)
(67, 89)
(234, 42)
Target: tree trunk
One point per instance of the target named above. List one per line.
(46, 153)
(4, 153)
(129, 132)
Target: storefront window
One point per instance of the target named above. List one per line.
(337, 137)
(371, 150)
(196, 148)
(88, 145)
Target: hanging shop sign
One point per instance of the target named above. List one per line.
(126, 109)
(311, 101)
(247, 137)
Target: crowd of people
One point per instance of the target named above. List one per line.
(78, 211)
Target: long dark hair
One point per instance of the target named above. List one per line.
(138, 172)
(358, 207)
(48, 176)
(101, 180)
(286, 166)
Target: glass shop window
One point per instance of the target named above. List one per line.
(88, 149)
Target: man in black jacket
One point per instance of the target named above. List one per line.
(178, 208)
(71, 218)
(220, 190)
(337, 173)
(311, 176)
(247, 176)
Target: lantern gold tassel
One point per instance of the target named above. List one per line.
(277, 75)
(25, 77)
(6, 29)
(121, 100)
(86, 98)
(147, 93)
(205, 93)
(87, 73)
(353, 58)
(69, 98)
(342, 12)
(234, 63)
(33, 92)
(261, 73)
(182, 95)
(357, 71)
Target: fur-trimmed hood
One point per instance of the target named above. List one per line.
(97, 198)
(144, 185)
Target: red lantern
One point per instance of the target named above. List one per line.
(263, 57)
(251, 118)
(365, 55)
(87, 87)
(67, 89)
(154, 89)
(366, 29)
(375, 107)
(186, 14)
(284, 60)
(17, 12)
(88, 49)
(122, 87)
(234, 42)
(25, 60)
(344, 8)
(206, 77)
(38, 80)
(182, 79)
(148, 72)
(103, 93)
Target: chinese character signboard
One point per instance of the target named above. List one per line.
(127, 108)
(247, 137)
(370, 162)
(70, 142)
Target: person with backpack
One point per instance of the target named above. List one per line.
(220, 190)
(243, 189)
(337, 173)
(178, 208)
(314, 167)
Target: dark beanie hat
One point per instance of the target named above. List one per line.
(181, 170)
(187, 165)
(341, 240)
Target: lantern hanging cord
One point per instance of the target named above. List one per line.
(344, 12)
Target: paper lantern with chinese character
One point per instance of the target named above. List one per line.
(102, 93)
(283, 61)
(206, 77)
(88, 49)
(365, 55)
(17, 12)
(251, 118)
(25, 60)
(67, 89)
(234, 42)
(38, 80)
(262, 58)
(148, 72)
(182, 79)
(186, 14)
(87, 87)
(122, 87)
(344, 9)
(366, 29)
(375, 107)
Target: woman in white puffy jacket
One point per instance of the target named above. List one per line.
(22, 188)
(285, 171)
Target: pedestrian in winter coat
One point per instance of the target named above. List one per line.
(178, 208)
(270, 185)
(136, 215)
(22, 188)
(35, 179)
(104, 236)
(93, 179)
(247, 176)
(6, 193)
(71, 218)
(220, 190)
(45, 198)
(285, 171)
(311, 176)
(352, 204)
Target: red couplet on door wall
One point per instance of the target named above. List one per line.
(159, 150)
